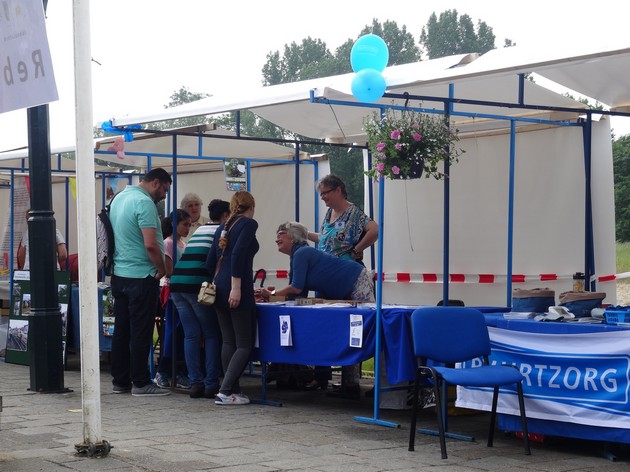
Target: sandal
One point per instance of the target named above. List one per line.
(316, 385)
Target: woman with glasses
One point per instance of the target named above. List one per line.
(345, 232)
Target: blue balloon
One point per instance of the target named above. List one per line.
(368, 85)
(369, 52)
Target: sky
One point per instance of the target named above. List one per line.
(148, 49)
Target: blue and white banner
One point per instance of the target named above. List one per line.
(576, 378)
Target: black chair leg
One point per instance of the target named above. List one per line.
(521, 405)
(493, 416)
(440, 414)
(414, 413)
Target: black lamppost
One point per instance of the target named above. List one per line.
(44, 331)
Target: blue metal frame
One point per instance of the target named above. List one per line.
(449, 111)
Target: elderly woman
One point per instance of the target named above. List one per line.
(332, 277)
(192, 204)
(346, 231)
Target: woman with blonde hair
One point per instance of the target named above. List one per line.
(231, 260)
(192, 204)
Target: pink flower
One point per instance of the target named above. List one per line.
(415, 126)
(417, 136)
(382, 156)
(380, 166)
(395, 134)
(380, 146)
(398, 146)
(396, 170)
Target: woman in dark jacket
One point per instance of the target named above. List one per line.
(231, 259)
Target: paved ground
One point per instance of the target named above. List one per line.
(38, 432)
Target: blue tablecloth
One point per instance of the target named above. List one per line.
(321, 336)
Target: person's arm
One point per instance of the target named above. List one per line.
(168, 265)
(21, 256)
(62, 255)
(168, 256)
(286, 291)
(371, 235)
(242, 236)
(154, 251)
(234, 298)
(313, 237)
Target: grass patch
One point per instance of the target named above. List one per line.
(623, 257)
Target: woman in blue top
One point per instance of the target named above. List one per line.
(231, 260)
(332, 277)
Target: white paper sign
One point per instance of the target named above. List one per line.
(26, 71)
(285, 330)
(356, 331)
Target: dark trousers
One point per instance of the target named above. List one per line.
(238, 328)
(135, 307)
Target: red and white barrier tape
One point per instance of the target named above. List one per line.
(407, 277)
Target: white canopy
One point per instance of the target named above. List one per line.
(490, 77)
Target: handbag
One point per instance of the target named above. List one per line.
(207, 293)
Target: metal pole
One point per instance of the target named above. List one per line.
(86, 216)
(44, 338)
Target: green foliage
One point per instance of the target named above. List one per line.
(400, 43)
(585, 101)
(180, 97)
(453, 34)
(623, 257)
(400, 141)
(621, 168)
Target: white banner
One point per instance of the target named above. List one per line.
(26, 72)
(575, 378)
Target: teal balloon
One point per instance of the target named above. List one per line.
(368, 85)
(369, 52)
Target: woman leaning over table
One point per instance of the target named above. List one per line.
(231, 258)
(345, 232)
(332, 277)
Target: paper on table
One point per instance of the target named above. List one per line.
(356, 331)
(519, 315)
(285, 330)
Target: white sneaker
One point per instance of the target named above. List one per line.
(233, 399)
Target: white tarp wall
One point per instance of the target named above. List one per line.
(273, 188)
(548, 218)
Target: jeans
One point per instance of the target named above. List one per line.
(135, 307)
(200, 325)
(166, 357)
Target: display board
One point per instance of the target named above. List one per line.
(20, 315)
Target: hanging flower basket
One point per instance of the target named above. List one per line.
(409, 144)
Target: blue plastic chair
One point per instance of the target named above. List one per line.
(444, 336)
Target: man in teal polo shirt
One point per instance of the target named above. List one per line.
(138, 268)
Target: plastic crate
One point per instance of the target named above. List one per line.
(617, 317)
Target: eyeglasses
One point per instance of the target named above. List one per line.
(326, 192)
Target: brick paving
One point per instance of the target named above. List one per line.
(310, 432)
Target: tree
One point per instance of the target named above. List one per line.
(621, 169)
(312, 59)
(452, 34)
(180, 97)
(401, 44)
